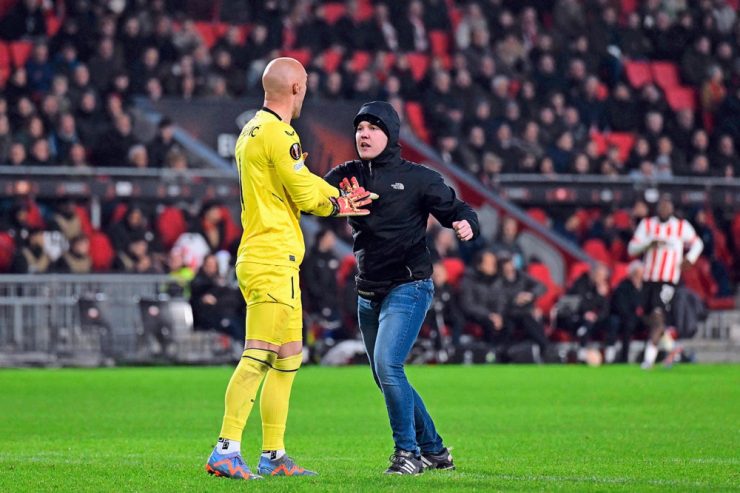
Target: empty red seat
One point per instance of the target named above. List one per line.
(596, 249)
(541, 273)
(576, 270)
(619, 272)
(681, 98)
(53, 23)
(5, 59)
(302, 55)
(170, 224)
(538, 215)
(418, 63)
(638, 73)
(20, 51)
(665, 74)
(360, 61)
(365, 10)
(628, 6)
(415, 117)
(7, 250)
(440, 44)
(101, 252)
(455, 268)
(623, 141)
(87, 227)
(333, 12)
(205, 29)
(332, 59)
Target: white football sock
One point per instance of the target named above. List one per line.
(651, 352)
(610, 354)
(226, 446)
(273, 454)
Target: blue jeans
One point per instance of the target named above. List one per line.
(389, 329)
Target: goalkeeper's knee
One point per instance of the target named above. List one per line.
(259, 359)
(289, 364)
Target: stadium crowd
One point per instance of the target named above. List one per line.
(645, 89)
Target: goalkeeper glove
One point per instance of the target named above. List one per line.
(353, 197)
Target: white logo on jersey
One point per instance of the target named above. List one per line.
(397, 186)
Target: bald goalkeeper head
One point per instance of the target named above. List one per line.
(284, 81)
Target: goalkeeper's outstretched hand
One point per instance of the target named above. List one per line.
(352, 199)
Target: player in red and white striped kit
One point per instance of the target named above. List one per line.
(662, 240)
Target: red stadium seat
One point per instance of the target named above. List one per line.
(600, 140)
(638, 73)
(418, 63)
(53, 23)
(619, 272)
(332, 60)
(665, 74)
(596, 249)
(576, 270)
(360, 61)
(87, 227)
(681, 98)
(119, 212)
(539, 215)
(20, 51)
(302, 55)
(170, 224)
(5, 60)
(232, 231)
(622, 140)
(541, 273)
(440, 43)
(207, 34)
(455, 269)
(101, 252)
(7, 250)
(628, 6)
(365, 10)
(415, 117)
(333, 12)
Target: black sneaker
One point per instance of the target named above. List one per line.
(442, 460)
(403, 462)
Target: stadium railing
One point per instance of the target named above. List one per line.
(49, 319)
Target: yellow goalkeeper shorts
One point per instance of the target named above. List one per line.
(273, 296)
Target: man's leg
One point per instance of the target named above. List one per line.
(656, 323)
(367, 316)
(275, 396)
(401, 315)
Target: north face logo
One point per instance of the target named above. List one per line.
(397, 186)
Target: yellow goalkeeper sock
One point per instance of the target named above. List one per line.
(242, 390)
(274, 401)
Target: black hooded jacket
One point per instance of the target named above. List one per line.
(390, 243)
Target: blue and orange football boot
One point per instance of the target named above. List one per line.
(229, 466)
(284, 466)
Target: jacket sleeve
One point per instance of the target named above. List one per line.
(534, 286)
(335, 175)
(441, 202)
(309, 192)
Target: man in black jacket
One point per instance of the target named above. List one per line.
(626, 312)
(483, 299)
(394, 285)
(520, 292)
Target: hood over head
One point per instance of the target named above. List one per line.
(385, 117)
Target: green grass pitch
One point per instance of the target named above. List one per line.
(525, 428)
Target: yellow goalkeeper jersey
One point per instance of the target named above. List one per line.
(275, 187)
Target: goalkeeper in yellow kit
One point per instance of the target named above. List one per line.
(275, 186)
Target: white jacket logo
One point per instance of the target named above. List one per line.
(397, 186)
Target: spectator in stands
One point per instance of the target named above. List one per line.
(620, 111)
(64, 137)
(725, 157)
(211, 224)
(626, 312)
(30, 257)
(216, 305)
(77, 157)
(180, 273)
(76, 260)
(133, 225)
(696, 61)
(17, 154)
(104, 65)
(6, 138)
(592, 314)
(321, 267)
(66, 220)
(445, 317)
(136, 258)
(482, 298)
(112, 147)
(40, 154)
(138, 157)
(508, 244)
(520, 292)
(39, 69)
